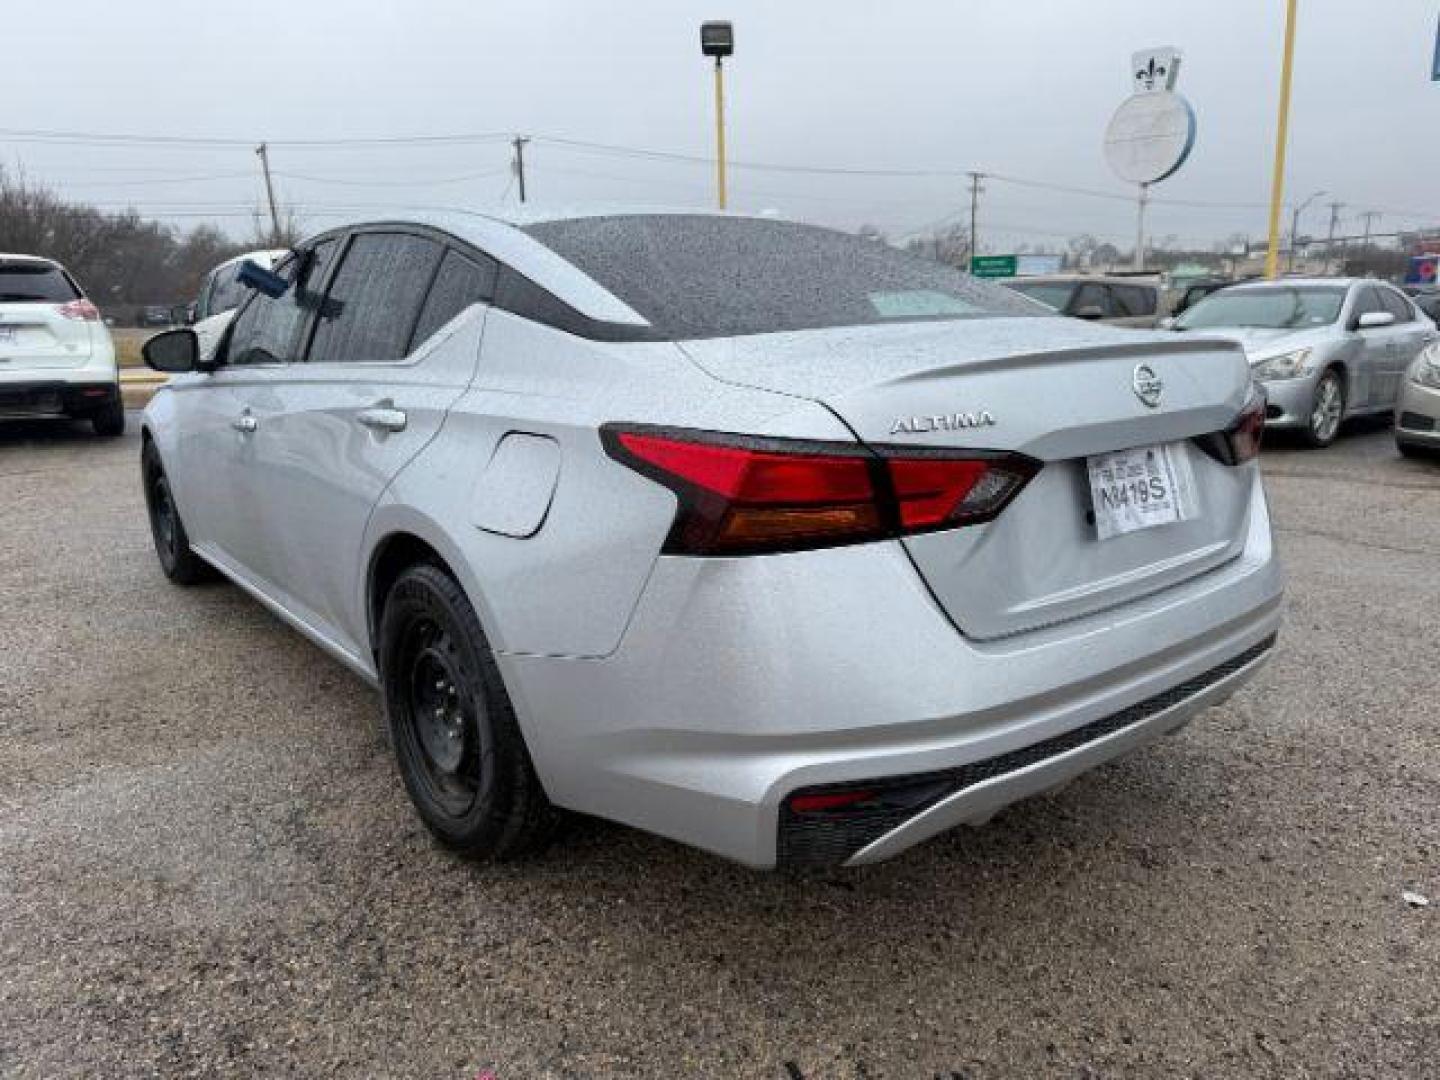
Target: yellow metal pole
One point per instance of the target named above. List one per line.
(720, 132)
(1282, 134)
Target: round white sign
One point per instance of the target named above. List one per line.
(1149, 137)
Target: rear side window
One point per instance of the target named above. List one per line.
(374, 300)
(265, 331)
(1133, 301)
(24, 281)
(700, 276)
(461, 282)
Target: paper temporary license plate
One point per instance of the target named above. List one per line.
(1140, 488)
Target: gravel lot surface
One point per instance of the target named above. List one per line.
(208, 866)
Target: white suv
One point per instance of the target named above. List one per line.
(56, 356)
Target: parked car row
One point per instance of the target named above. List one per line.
(1325, 349)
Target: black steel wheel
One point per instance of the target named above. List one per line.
(457, 743)
(172, 543)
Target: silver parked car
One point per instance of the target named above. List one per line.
(760, 536)
(1417, 414)
(1325, 348)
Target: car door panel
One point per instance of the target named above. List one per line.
(333, 431)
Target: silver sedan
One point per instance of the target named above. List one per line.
(1326, 349)
(766, 538)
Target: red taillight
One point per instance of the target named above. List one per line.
(740, 495)
(1247, 431)
(80, 309)
(1240, 442)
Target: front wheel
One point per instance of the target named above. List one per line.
(457, 743)
(1327, 410)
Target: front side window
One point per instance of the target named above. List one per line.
(1134, 301)
(1054, 295)
(1396, 304)
(705, 276)
(267, 328)
(1270, 307)
(374, 300)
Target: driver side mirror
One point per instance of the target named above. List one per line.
(1090, 312)
(173, 351)
(1372, 319)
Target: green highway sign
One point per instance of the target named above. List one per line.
(993, 265)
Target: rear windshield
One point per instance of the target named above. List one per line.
(22, 281)
(1270, 307)
(702, 276)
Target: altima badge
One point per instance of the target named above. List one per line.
(960, 421)
(1148, 386)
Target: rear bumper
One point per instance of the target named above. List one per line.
(741, 681)
(53, 397)
(1417, 416)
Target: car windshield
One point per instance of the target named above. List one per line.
(1053, 294)
(1271, 307)
(705, 276)
(34, 282)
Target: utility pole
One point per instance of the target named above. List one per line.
(519, 164)
(1335, 208)
(1295, 228)
(263, 151)
(1369, 217)
(975, 192)
(1282, 134)
(1140, 227)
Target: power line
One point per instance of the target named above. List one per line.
(90, 137)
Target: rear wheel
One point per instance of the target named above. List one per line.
(110, 421)
(1327, 410)
(457, 742)
(172, 544)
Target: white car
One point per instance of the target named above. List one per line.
(56, 356)
(764, 537)
(221, 293)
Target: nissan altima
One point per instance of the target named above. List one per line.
(760, 536)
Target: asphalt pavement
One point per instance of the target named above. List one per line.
(208, 866)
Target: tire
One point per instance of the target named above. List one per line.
(457, 743)
(1327, 410)
(172, 542)
(110, 421)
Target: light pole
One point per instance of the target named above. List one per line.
(1282, 134)
(717, 39)
(1295, 229)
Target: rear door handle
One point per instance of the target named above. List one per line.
(382, 418)
(245, 424)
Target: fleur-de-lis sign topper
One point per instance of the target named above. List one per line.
(1155, 69)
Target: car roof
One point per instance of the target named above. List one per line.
(9, 257)
(1285, 282)
(499, 232)
(1076, 279)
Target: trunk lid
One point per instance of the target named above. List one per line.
(1055, 389)
(36, 336)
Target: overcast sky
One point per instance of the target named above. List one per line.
(1022, 88)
